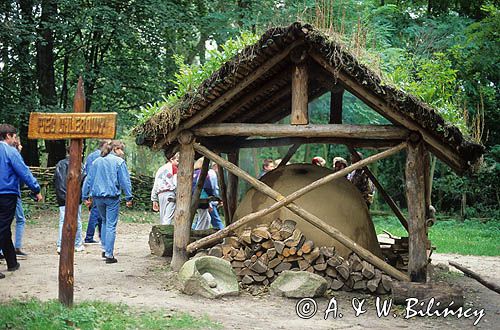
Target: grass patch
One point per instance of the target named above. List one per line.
(467, 238)
(34, 314)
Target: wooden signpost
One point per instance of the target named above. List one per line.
(75, 126)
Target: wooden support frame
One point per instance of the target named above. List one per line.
(245, 82)
(353, 142)
(382, 191)
(336, 100)
(223, 192)
(415, 194)
(195, 200)
(289, 155)
(232, 189)
(182, 221)
(300, 79)
(381, 106)
(309, 217)
(307, 131)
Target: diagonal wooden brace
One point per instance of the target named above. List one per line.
(309, 217)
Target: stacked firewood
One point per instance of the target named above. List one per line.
(258, 255)
(395, 250)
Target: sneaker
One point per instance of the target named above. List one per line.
(21, 255)
(79, 248)
(111, 260)
(92, 241)
(2, 276)
(12, 269)
(104, 255)
(59, 250)
(2, 256)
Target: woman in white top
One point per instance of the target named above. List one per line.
(163, 192)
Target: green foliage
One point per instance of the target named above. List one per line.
(34, 314)
(467, 238)
(190, 76)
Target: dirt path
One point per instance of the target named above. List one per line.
(142, 280)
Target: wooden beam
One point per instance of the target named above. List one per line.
(221, 100)
(490, 285)
(182, 221)
(354, 142)
(336, 107)
(284, 93)
(300, 115)
(415, 194)
(297, 194)
(307, 216)
(380, 105)
(223, 192)
(232, 190)
(289, 155)
(382, 191)
(428, 184)
(308, 131)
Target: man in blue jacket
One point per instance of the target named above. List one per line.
(13, 171)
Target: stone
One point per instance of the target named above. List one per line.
(299, 284)
(208, 276)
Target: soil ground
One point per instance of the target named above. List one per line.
(142, 280)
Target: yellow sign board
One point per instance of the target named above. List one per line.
(60, 126)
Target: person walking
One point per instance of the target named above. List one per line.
(20, 218)
(13, 171)
(108, 176)
(215, 219)
(163, 192)
(94, 217)
(60, 178)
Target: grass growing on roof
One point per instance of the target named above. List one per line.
(34, 314)
(452, 236)
(190, 76)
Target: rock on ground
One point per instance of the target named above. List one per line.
(299, 284)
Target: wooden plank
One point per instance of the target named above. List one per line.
(379, 105)
(195, 199)
(223, 99)
(309, 217)
(336, 106)
(182, 214)
(308, 131)
(354, 142)
(284, 201)
(490, 285)
(62, 126)
(73, 187)
(415, 194)
(300, 115)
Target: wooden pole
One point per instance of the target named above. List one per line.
(336, 106)
(300, 101)
(232, 189)
(415, 194)
(223, 193)
(428, 184)
(490, 285)
(182, 221)
(309, 217)
(316, 131)
(66, 260)
(199, 187)
(382, 191)
(284, 201)
(277, 142)
(289, 155)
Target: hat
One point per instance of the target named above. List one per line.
(339, 159)
(320, 161)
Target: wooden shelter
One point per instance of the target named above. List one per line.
(275, 78)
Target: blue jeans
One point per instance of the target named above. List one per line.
(215, 217)
(94, 220)
(20, 221)
(109, 208)
(78, 238)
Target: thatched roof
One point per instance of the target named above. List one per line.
(255, 87)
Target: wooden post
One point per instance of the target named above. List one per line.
(336, 106)
(232, 186)
(223, 193)
(300, 100)
(415, 194)
(66, 259)
(309, 217)
(182, 221)
(428, 184)
(289, 155)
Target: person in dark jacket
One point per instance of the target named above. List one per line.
(60, 177)
(13, 171)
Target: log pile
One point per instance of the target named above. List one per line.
(258, 255)
(161, 239)
(395, 250)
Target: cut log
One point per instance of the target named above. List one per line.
(312, 256)
(271, 253)
(355, 263)
(310, 269)
(292, 251)
(247, 263)
(387, 282)
(237, 264)
(253, 258)
(441, 292)
(240, 256)
(247, 280)
(292, 258)
(336, 284)
(373, 284)
(270, 273)
(356, 276)
(232, 241)
(490, 285)
(343, 270)
(320, 259)
(307, 246)
(332, 272)
(215, 251)
(320, 267)
(273, 263)
(335, 261)
(275, 225)
(246, 271)
(327, 251)
(303, 264)
(279, 246)
(246, 236)
(267, 244)
(161, 239)
(226, 249)
(259, 278)
(287, 228)
(283, 266)
(360, 285)
(295, 239)
(368, 270)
